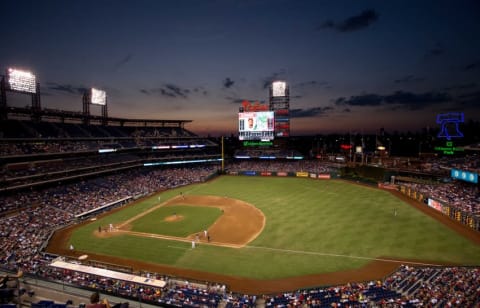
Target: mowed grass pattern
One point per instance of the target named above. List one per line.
(311, 227)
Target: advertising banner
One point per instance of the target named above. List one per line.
(302, 174)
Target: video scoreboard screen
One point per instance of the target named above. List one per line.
(256, 125)
(279, 88)
(21, 81)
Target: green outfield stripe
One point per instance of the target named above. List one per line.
(341, 256)
(176, 247)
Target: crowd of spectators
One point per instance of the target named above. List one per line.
(53, 146)
(22, 172)
(311, 166)
(176, 292)
(438, 166)
(467, 162)
(40, 212)
(407, 287)
(437, 286)
(457, 194)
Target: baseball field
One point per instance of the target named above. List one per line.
(263, 235)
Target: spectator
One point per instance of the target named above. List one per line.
(95, 301)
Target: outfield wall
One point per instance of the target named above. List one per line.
(463, 217)
(299, 174)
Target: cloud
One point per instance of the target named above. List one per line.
(309, 112)
(66, 88)
(171, 88)
(267, 81)
(228, 83)
(360, 100)
(409, 79)
(438, 50)
(470, 95)
(311, 83)
(469, 99)
(168, 90)
(200, 90)
(461, 87)
(353, 23)
(236, 100)
(414, 101)
(123, 61)
(471, 66)
(396, 100)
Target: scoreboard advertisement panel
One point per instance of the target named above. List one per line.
(463, 175)
(256, 125)
(279, 88)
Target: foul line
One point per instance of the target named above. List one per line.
(342, 256)
(315, 253)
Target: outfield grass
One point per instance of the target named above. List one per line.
(311, 227)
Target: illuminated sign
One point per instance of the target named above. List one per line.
(434, 204)
(21, 81)
(463, 175)
(449, 124)
(249, 107)
(257, 143)
(98, 97)
(181, 162)
(345, 146)
(301, 174)
(324, 176)
(279, 88)
(106, 150)
(449, 148)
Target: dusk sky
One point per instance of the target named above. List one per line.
(350, 65)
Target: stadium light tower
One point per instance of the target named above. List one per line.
(94, 96)
(24, 82)
(3, 99)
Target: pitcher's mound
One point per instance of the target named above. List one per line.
(173, 218)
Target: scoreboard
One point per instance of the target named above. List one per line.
(256, 125)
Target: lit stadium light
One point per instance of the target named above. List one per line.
(21, 81)
(98, 97)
